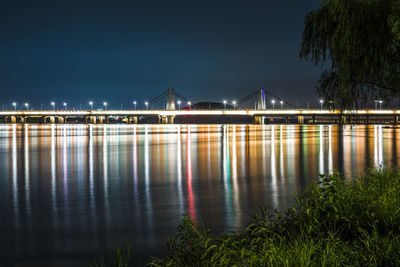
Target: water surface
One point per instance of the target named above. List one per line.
(70, 192)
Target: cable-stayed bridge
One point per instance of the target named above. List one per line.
(171, 105)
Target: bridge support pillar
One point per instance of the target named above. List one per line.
(91, 119)
(259, 120)
(343, 119)
(22, 119)
(103, 119)
(287, 120)
(10, 119)
(169, 119)
(367, 122)
(61, 120)
(300, 119)
(396, 120)
(313, 119)
(133, 120)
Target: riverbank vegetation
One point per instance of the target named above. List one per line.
(335, 222)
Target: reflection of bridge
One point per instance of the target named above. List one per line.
(259, 113)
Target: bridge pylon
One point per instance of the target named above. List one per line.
(261, 99)
(170, 99)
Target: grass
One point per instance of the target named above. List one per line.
(334, 223)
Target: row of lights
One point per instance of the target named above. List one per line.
(375, 101)
(53, 105)
(189, 103)
(91, 104)
(146, 103)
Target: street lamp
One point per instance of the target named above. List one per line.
(281, 104)
(190, 103)
(65, 106)
(179, 104)
(91, 104)
(234, 104)
(273, 104)
(134, 103)
(376, 104)
(15, 106)
(224, 104)
(380, 104)
(147, 104)
(105, 105)
(321, 101)
(27, 106)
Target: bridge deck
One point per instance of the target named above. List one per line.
(246, 112)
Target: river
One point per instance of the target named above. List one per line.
(69, 193)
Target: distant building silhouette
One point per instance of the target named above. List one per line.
(209, 105)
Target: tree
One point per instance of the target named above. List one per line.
(360, 40)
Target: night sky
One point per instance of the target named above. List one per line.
(120, 51)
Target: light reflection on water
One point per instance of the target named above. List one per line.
(69, 192)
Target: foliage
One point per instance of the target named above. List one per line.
(122, 257)
(335, 223)
(360, 39)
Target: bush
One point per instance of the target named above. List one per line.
(335, 222)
